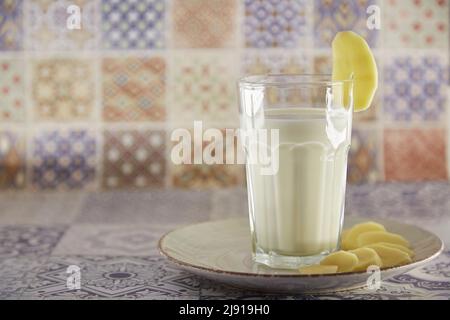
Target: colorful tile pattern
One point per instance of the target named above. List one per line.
(134, 158)
(12, 102)
(47, 28)
(275, 23)
(415, 154)
(63, 159)
(363, 159)
(12, 160)
(130, 24)
(63, 89)
(415, 88)
(332, 16)
(204, 88)
(134, 89)
(275, 62)
(11, 25)
(204, 23)
(415, 23)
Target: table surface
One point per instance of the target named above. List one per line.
(112, 238)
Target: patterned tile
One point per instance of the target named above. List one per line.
(11, 30)
(415, 23)
(146, 207)
(414, 154)
(363, 156)
(31, 241)
(16, 274)
(63, 89)
(331, 17)
(117, 240)
(134, 89)
(322, 64)
(134, 158)
(40, 208)
(63, 159)
(12, 104)
(276, 23)
(12, 160)
(47, 25)
(415, 88)
(113, 277)
(130, 24)
(275, 62)
(204, 23)
(204, 88)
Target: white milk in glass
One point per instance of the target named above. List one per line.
(298, 211)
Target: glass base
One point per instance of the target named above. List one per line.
(277, 261)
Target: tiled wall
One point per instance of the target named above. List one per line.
(93, 108)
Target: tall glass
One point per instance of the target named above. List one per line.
(296, 137)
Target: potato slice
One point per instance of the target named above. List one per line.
(318, 269)
(372, 237)
(390, 257)
(350, 240)
(366, 257)
(399, 247)
(345, 261)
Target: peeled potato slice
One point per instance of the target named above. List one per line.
(366, 257)
(345, 261)
(352, 58)
(390, 257)
(318, 269)
(399, 247)
(350, 240)
(372, 237)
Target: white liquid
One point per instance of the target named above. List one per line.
(299, 210)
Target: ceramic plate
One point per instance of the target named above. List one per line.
(221, 251)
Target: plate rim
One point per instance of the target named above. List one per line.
(187, 265)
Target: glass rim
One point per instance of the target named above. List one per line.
(285, 80)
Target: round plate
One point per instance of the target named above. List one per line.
(221, 251)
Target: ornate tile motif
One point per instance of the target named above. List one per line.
(11, 21)
(363, 156)
(415, 154)
(105, 277)
(415, 88)
(415, 23)
(275, 23)
(130, 24)
(31, 241)
(275, 62)
(117, 240)
(204, 89)
(134, 89)
(134, 158)
(204, 23)
(12, 160)
(331, 17)
(12, 104)
(63, 89)
(47, 20)
(63, 159)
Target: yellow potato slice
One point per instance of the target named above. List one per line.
(352, 58)
(345, 261)
(350, 240)
(390, 257)
(399, 247)
(366, 257)
(318, 269)
(372, 237)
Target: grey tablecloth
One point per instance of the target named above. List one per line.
(112, 238)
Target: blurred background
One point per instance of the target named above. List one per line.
(92, 109)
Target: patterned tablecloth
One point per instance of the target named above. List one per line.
(112, 238)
